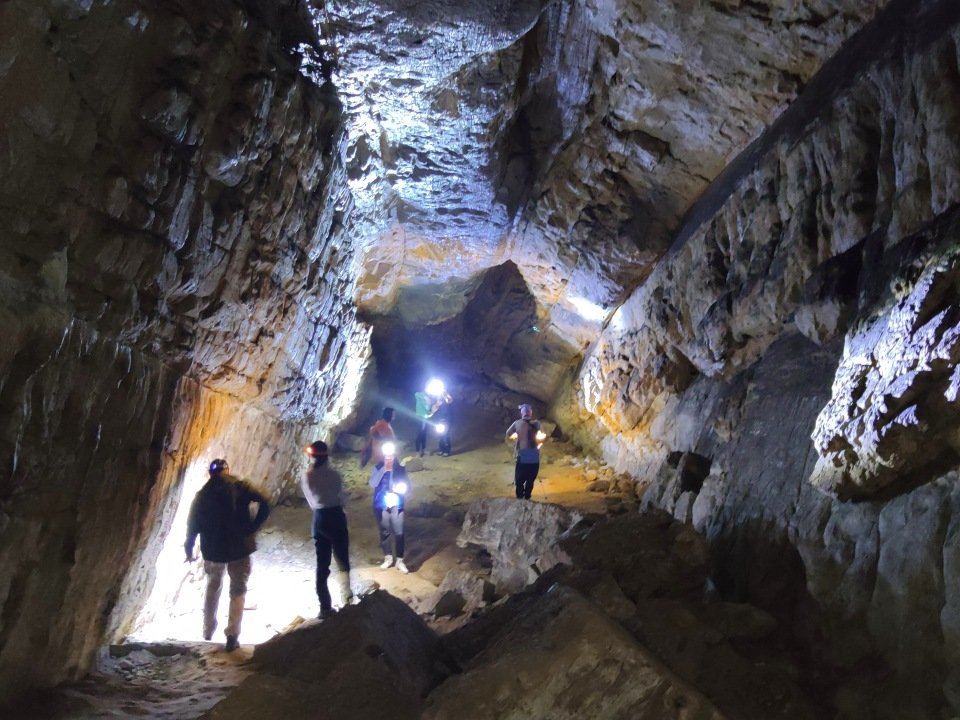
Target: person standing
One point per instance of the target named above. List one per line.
(323, 488)
(389, 482)
(527, 448)
(220, 515)
(425, 408)
(380, 432)
(443, 418)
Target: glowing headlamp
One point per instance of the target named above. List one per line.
(440, 428)
(435, 388)
(400, 488)
(391, 500)
(388, 449)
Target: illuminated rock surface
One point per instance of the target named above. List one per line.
(717, 239)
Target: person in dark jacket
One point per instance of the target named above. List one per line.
(389, 482)
(323, 489)
(220, 515)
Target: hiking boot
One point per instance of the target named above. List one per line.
(232, 643)
(387, 562)
(401, 566)
(326, 613)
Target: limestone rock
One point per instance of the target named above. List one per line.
(648, 554)
(521, 536)
(367, 657)
(565, 659)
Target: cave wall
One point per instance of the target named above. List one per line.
(176, 283)
(800, 345)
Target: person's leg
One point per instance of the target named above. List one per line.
(383, 526)
(396, 527)
(530, 477)
(518, 479)
(214, 572)
(340, 543)
(422, 437)
(322, 545)
(239, 571)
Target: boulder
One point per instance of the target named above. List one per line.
(374, 655)
(521, 537)
(561, 657)
(353, 443)
(649, 554)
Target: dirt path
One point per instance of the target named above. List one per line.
(169, 672)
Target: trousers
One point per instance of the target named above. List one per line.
(330, 538)
(391, 523)
(239, 572)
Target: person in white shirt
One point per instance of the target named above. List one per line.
(323, 488)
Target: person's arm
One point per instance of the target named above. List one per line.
(263, 506)
(342, 492)
(308, 493)
(193, 528)
(375, 475)
(512, 430)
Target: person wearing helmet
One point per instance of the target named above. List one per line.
(380, 432)
(425, 409)
(323, 488)
(220, 515)
(442, 420)
(389, 482)
(527, 447)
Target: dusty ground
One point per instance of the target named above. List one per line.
(167, 671)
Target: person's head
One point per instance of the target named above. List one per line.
(435, 388)
(387, 414)
(389, 450)
(218, 467)
(318, 451)
(526, 412)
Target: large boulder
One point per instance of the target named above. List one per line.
(521, 536)
(561, 657)
(649, 554)
(375, 655)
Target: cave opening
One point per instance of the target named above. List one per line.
(279, 592)
(483, 353)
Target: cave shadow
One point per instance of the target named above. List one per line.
(755, 563)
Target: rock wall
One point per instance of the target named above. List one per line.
(176, 285)
(843, 230)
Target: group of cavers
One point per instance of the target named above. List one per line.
(221, 513)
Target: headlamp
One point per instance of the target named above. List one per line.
(388, 449)
(435, 387)
(441, 428)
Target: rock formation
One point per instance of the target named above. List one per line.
(718, 238)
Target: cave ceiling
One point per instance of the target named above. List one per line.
(568, 137)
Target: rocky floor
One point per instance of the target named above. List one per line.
(166, 671)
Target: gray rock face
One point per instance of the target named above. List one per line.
(844, 228)
(566, 137)
(374, 658)
(563, 658)
(520, 535)
(175, 286)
